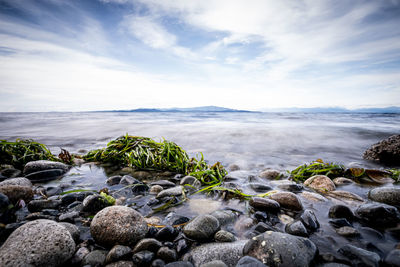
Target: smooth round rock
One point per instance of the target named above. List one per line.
(201, 228)
(342, 181)
(392, 259)
(360, 257)
(248, 261)
(214, 263)
(22, 181)
(270, 174)
(46, 175)
(155, 189)
(309, 220)
(167, 254)
(281, 249)
(95, 258)
(174, 191)
(118, 225)
(128, 180)
(38, 243)
(94, 203)
(113, 180)
(42, 165)
(287, 200)
(149, 244)
(380, 215)
(264, 204)
(143, 258)
(387, 195)
(296, 228)
(4, 203)
(121, 264)
(224, 236)
(347, 231)
(118, 253)
(320, 183)
(72, 229)
(40, 204)
(341, 211)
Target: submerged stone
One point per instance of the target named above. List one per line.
(387, 195)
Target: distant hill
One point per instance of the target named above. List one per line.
(194, 109)
(334, 110)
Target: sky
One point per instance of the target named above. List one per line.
(82, 55)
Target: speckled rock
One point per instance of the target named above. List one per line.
(118, 225)
(281, 249)
(202, 228)
(229, 253)
(22, 181)
(40, 204)
(174, 191)
(167, 254)
(72, 229)
(248, 261)
(287, 200)
(48, 243)
(155, 189)
(387, 195)
(121, 264)
(321, 183)
(386, 151)
(347, 231)
(380, 215)
(17, 192)
(224, 236)
(42, 165)
(118, 253)
(214, 263)
(95, 258)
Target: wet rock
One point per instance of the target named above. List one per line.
(158, 263)
(360, 257)
(174, 191)
(341, 211)
(95, 258)
(224, 217)
(180, 264)
(149, 244)
(167, 233)
(261, 227)
(296, 228)
(392, 259)
(121, 264)
(174, 219)
(320, 183)
(380, 215)
(387, 195)
(10, 172)
(290, 186)
(281, 249)
(287, 200)
(264, 204)
(21, 181)
(17, 192)
(347, 231)
(44, 176)
(202, 228)
(345, 196)
(42, 165)
(248, 261)
(40, 204)
(342, 181)
(313, 197)
(270, 174)
(72, 197)
(233, 167)
(155, 189)
(48, 243)
(237, 175)
(79, 255)
(4, 203)
(118, 225)
(261, 216)
(129, 180)
(118, 253)
(72, 229)
(224, 236)
(68, 217)
(164, 183)
(386, 151)
(143, 258)
(309, 220)
(190, 180)
(214, 263)
(94, 203)
(167, 254)
(260, 188)
(337, 223)
(229, 253)
(113, 180)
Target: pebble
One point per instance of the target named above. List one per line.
(224, 236)
(180, 264)
(270, 174)
(113, 180)
(347, 231)
(40, 204)
(264, 204)
(342, 181)
(17, 181)
(190, 180)
(248, 261)
(214, 263)
(46, 175)
(393, 258)
(360, 257)
(260, 188)
(79, 255)
(309, 220)
(296, 228)
(128, 180)
(320, 183)
(387, 195)
(167, 254)
(287, 200)
(341, 211)
(380, 215)
(155, 189)
(174, 191)
(42, 165)
(121, 264)
(118, 225)
(149, 244)
(167, 233)
(117, 253)
(94, 203)
(17, 192)
(164, 183)
(95, 258)
(143, 258)
(202, 228)
(72, 229)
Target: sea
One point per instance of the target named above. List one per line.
(251, 140)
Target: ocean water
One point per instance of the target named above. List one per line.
(251, 140)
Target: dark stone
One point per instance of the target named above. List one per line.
(167, 233)
(52, 191)
(113, 180)
(248, 261)
(386, 151)
(79, 255)
(164, 183)
(288, 200)
(264, 204)
(174, 219)
(214, 263)
(152, 231)
(68, 217)
(46, 175)
(149, 244)
(94, 203)
(392, 259)
(143, 258)
(121, 264)
(291, 187)
(158, 263)
(96, 258)
(42, 165)
(379, 215)
(129, 180)
(224, 236)
(337, 223)
(72, 197)
(118, 253)
(4, 203)
(182, 246)
(202, 228)
(167, 254)
(263, 227)
(224, 217)
(360, 257)
(296, 228)
(286, 249)
(309, 220)
(38, 205)
(260, 188)
(261, 216)
(180, 264)
(341, 211)
(10, 173)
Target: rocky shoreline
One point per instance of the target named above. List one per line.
(143, 218)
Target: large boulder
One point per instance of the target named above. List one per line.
(281, 249)
(386, 151)
(38, 243)
(387, 195)
(118, 225)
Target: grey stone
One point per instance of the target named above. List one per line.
(342, 181)
(270, 174)
(121, 264)
(264, 204)
(72, 229)
(44, 176)
(260, 188)
(48, 244)
(94, 203)
(287, 200)
(113, 180)
(392, 259)
(22, 181)
(174, 191)
(341, 211)
(386, 151)
(347, 231)
(214, 263)
(360, 257)
(68, 217)
(167, 254)
(225, 217)
(291, 187)
(10, 172)
(309, 220)
(224, 236)
(280, 249)
(202, 228)
(248, 261)
(42, 165)
(229, 253)
(345, 196)
(180, 264)
(129, 180)
(321, 183)
(118, 225)
(118, 253)
(4, 203)
(96, 258)
(380, 215)
(387, 195)
(79, 255)
(155, 189)
(17, 192)
(296, 228)
(191, 180)
(164, 183)
(149, 244)
(40, 204)
(233, 167)
(143, 258)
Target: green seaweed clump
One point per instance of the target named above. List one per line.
(395, 175)
(318, 167)
(21, 151)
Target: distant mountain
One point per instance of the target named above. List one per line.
(335, 110)
(194, 109)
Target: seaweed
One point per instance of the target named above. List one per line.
(22, 151)
(318, 167)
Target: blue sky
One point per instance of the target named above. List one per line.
(59, 55)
